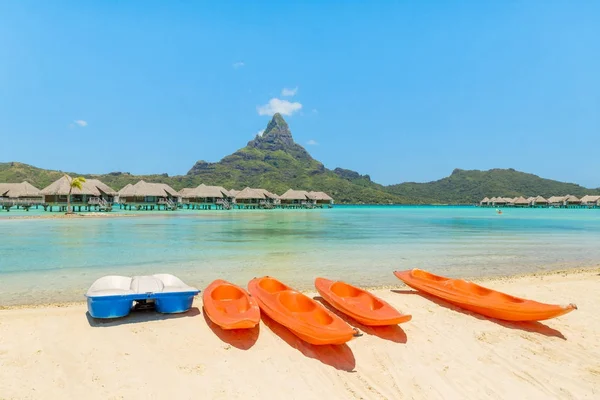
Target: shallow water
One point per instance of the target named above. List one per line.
(56, 260)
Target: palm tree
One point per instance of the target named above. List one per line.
(73, 183)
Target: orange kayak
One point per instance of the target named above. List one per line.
(481, 300)
(302, 315)
(230, 306)
(359, 304)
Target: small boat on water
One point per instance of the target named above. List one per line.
(359, 304)
(305, 317)
(113, 296)
(479, 299)
(230, 306)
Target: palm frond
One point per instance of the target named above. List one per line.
(78, 182)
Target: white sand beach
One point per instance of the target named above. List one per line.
(58, 352)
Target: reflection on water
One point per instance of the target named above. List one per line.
(56, 260)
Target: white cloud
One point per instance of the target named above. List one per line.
(81, 123)
(289, 92)
(260, 133)
(312, 142)
(238, 64)
(276, 105)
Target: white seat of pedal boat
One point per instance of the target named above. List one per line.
(112, 285)
(173, 284)
(146, 284)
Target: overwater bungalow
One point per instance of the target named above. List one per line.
(93, 195)
(590, 201)
(572, 201)
(568, 201)
(322, 199)
(255, 198)
(21, 195)
(206, 197)
(539, 201)
(556, 201)
(274, 200)
(148, 196)
(500, 201)
(521, 202)
(297, 199)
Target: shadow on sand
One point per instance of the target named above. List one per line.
(528, 326)
(242, 339)
(137, 316)
(337, 356)
(392, 333)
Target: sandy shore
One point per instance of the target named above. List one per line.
(60, 352)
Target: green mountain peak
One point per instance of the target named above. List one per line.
(275, 162)
(277, 126)
(277, 136)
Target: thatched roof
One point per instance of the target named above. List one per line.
(572, 199)
(185, 192)
(556, 199)
(590, 199)
(91, 187)
(222, 190)
(63, 185)
(143, 189)
(321, 196)
(540, 199)
(499, 200)
(530, 199)
(521, 201)
(296, 195)
(125, 190)
(249, 193)
(102, 186)
(16, 190)
(233, 192)
(204, 191)
(269, 194)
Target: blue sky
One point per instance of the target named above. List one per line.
(403, 91)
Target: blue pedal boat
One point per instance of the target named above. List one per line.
(113, 296)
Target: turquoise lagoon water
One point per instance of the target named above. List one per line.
(56, 260)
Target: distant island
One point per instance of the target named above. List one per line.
(275, 162)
